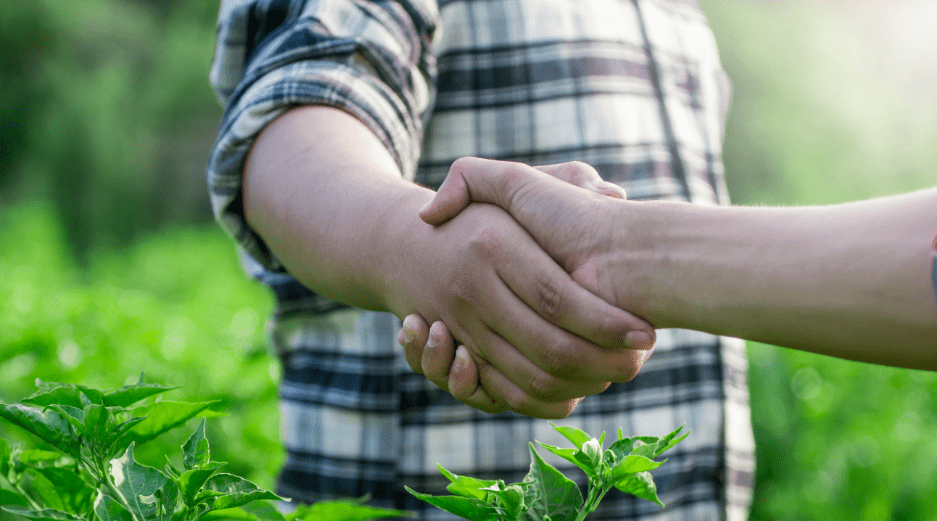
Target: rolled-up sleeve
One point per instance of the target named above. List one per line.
(371, 59)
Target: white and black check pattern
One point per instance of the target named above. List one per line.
(632, 87)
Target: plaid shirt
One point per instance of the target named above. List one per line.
(634, 88)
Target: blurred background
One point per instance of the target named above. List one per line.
(110, 264)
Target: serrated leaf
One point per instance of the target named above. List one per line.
(466, 486)
(46, 425)
(161, 417)
(576, 436)
(135, 482)
(640, 485)
(195, 449)
(109, 509)
(464, 507)
(47, 514)
(172, 471)
(560, 497)
(131, 394)
(236, 491)
(344, 510)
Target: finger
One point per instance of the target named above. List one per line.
(505, 394)
(543, 285)
(413, 336)
(492, 352)
(585, 176)
(472, 179)
(438, 355)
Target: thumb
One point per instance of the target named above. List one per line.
(473, 179)
(452, 197)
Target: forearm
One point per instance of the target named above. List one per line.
(325, 195)
(851, 281)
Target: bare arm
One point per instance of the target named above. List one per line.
(851, 281)
(328, 200)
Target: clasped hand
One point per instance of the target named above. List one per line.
(524, 371)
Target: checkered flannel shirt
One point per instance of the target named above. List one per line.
(632, 87)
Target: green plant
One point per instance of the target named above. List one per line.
(94, 476)
(546, 494)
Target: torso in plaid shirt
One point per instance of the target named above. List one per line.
(632, 87)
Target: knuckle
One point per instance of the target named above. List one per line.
(558, 358)
(544, 386)
(551, 298)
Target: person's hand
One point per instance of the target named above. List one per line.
(564, 207)
(432, 351)
(524, 321)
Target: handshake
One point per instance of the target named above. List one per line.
(595, 344)
(802, 278)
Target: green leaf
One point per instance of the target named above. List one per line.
(669, 441)
(511, 499)
(131, 394)
(195, 449)
(560, 497)
(641, 485)
(464, 507)
(135, 483)
(74, 415)
(633, 465)
(47, 514)
(10, 498)
(96, 420)
(191, 482)
(570, 455)
(69, 491)
(66, 394)
(161, 417)
(236, 491)
(117, 443)
(228, 514)
(466, 486)
(576, 436)
(46, 425)
(344, 510)
(38, 458)
(5, 453)
(109, 509)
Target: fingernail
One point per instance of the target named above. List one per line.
(408, 334)
(433, 341)
(638, 340)
(461, 358)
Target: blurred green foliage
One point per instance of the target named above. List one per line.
(107, 112)
(175, 306)
(105, 126)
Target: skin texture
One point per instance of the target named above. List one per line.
(851, 281)
(327, 198)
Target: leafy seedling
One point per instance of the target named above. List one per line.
(546, 494)
(96, 477)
